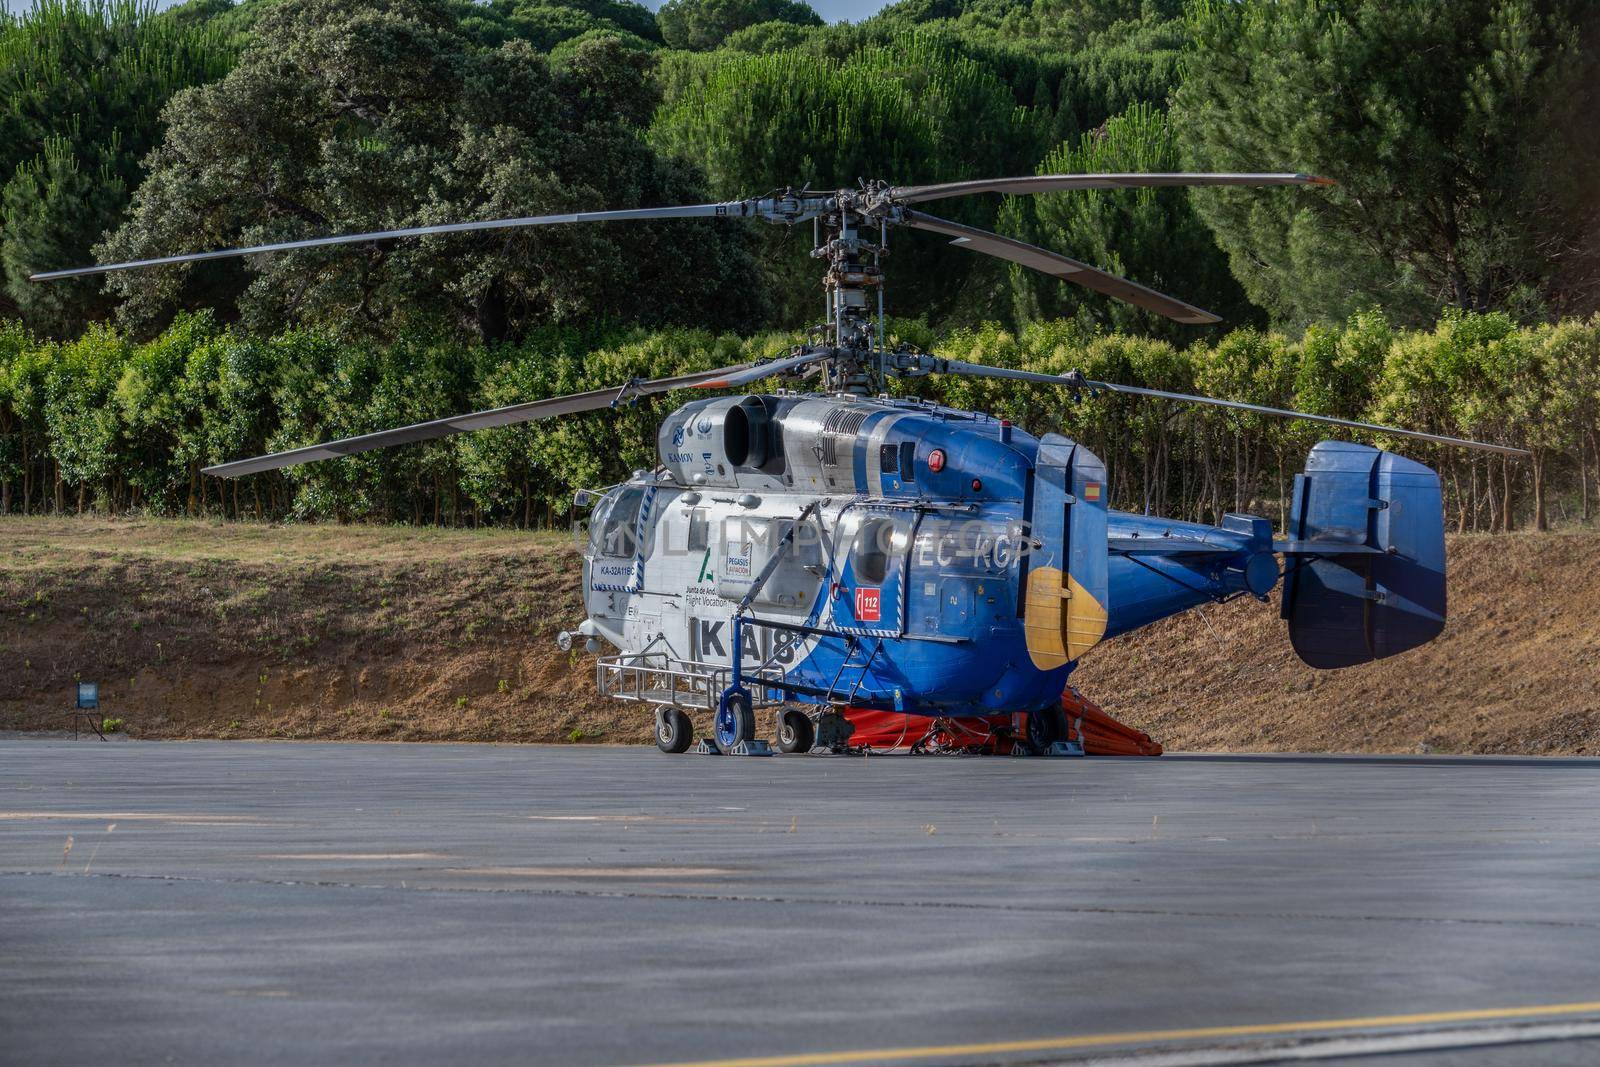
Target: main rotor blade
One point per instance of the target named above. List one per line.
(1053, 263)
(735, 209)
(593, 400)
(754, 372)
(1077, 383)
(1050, 183)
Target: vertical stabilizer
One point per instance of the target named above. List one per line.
(1366, 568)
(1065, 611)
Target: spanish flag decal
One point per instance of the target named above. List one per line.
(1091, 492)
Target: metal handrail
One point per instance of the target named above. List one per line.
(657, 678)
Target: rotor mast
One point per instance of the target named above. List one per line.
(853, 291)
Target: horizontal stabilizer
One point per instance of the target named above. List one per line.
(1166, 546)
(1320, 548)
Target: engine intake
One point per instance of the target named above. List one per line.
(709, 442)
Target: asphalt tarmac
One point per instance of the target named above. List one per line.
(242, 902)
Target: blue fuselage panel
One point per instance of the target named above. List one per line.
(963, 649)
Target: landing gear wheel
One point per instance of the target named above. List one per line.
(795, 732)
(674, 731)
(1046, 727)
(736, 721)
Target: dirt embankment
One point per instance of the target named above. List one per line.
(201, 630)
(1517, 669)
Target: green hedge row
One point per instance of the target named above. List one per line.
(110, 424)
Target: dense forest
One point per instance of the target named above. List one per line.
(1449, 282)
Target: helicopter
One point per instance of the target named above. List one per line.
(835, 552)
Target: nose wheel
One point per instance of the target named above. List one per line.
(736, 721)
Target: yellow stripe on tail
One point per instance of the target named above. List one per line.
(1062, 620)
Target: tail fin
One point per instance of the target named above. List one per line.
(1064, 614)
(1366, 567)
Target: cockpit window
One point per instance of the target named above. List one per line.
(617, 537)
(877, 543)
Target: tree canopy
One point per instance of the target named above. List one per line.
(544, 24)
(1449, 280)
(108, 421)
(345, 119)
(699, 25)
(913, 109)
(1455, 130)
(1461, 135)
(82, 85)
(1151, 235)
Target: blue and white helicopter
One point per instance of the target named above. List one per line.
(839, 549)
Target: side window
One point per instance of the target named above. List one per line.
(908, 462)
(617, 536)
(877, 542)
(889, 459)
(699, 531)
(808, 546)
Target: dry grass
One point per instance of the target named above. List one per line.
(201, 629)
(244, 542)
(197, 629)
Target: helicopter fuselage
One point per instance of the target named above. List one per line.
(887, 553)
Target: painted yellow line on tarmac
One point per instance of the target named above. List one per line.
(194, 819)
(1132, 1037)
(595, 872)
(354, 856)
